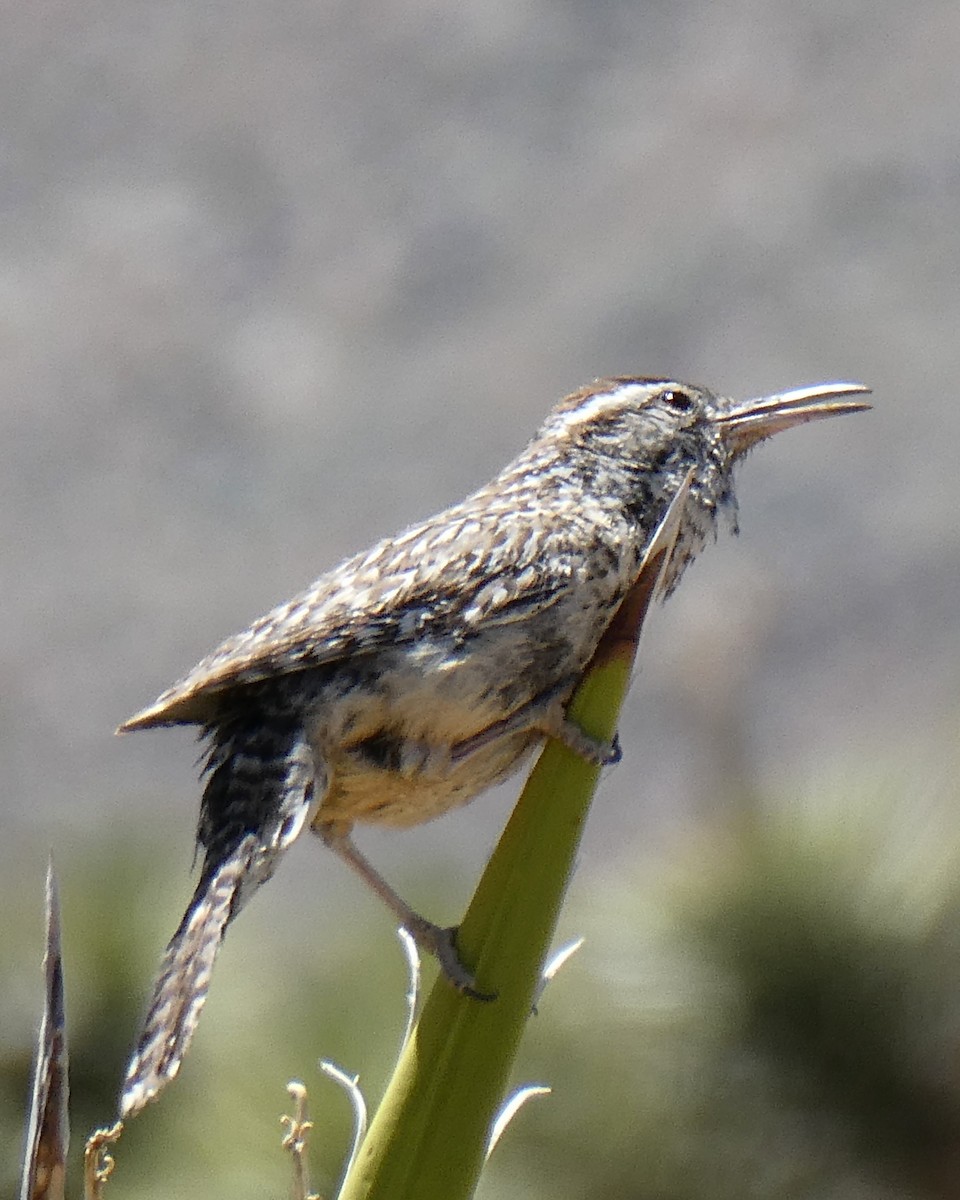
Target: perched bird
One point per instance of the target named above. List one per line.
(414, 676)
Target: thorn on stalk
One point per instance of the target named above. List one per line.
(350, 1084)
(510, 1110)
(559, 959)
(412, 955)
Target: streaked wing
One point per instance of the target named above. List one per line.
(472, 566)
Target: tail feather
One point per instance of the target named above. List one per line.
(257, 799)
(183, 982)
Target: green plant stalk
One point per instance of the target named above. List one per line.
(429, 1136)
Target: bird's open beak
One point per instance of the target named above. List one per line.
(746, 424)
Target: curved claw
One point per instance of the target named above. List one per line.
(441, 942)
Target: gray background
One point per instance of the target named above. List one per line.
(278, 278)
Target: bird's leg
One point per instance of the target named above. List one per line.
(556, 724)
(432, 939)
(544, 714)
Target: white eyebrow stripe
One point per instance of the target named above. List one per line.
(610, 401)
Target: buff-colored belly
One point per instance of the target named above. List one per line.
(360, 791)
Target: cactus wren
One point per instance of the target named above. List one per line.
(412, 677)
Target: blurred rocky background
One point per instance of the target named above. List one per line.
(277, 278)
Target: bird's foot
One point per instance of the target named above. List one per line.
(593, 750)
(441, 942)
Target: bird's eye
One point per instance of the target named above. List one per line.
(677, 400)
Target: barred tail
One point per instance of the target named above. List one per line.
(263, 777)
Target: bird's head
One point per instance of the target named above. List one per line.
(639, 438)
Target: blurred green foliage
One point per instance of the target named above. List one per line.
(770, 1009)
